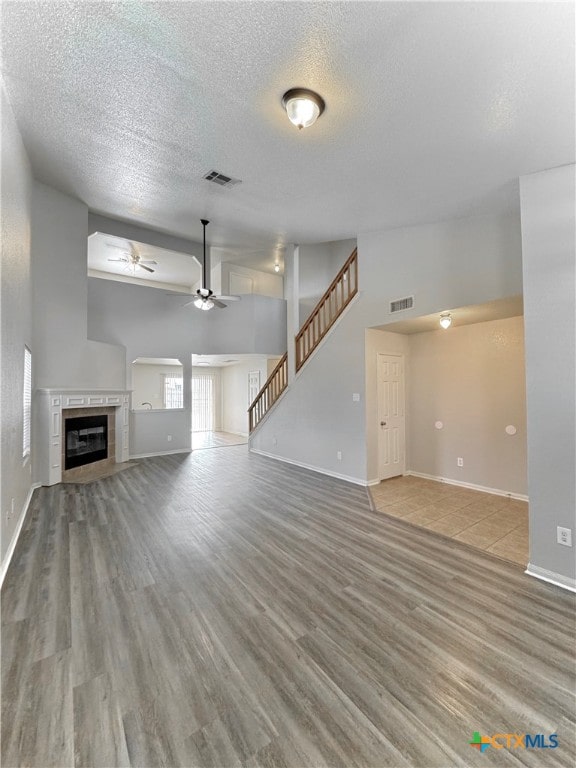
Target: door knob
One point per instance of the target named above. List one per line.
(382, 423)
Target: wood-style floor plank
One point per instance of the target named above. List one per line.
(222, 609)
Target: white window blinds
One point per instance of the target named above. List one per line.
(173, 395)
(27, 402)
(203, 410)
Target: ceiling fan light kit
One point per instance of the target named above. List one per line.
(132, 260)
(205, 298)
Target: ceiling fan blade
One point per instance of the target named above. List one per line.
(228, 298)
(189, 303)
(147, 261)
(217, 303)
(124, 261)
(145, 267)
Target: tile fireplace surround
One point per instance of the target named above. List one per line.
(52, 406)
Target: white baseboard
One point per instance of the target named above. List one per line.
(158, 453)
(551, 577)
(471, 486)
(16, 534)
(320, 470)
(373, 482)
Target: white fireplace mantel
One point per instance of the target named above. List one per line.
(48, 420)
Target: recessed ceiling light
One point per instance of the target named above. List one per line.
(302, 106)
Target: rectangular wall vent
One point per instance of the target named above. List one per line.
(221, 179)
(401, 304)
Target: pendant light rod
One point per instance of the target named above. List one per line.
(205, 223)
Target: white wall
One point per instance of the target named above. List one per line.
(148, 384)
(471, 378)
(445, 265)
(235, 393)
(548, 245)
(263, 283)
(16, 325)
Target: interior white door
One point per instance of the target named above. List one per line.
(253, 386)
(391, 416)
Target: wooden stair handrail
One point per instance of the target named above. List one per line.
(273, 387)
(322, 317)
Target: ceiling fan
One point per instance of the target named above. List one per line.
(205, 298)
(132, 259)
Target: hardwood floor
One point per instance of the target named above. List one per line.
(222, 609)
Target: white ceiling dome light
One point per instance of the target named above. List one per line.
(445, 320)
(303, 107)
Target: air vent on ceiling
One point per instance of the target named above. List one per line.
(401, 304)
(221, 179)
(230, 361)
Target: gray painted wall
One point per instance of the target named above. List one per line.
(472, 379)
(150, 323)
(64, 356)
(318, 266)
(445, 265)
(548, 245)
(16, 323)
(131, 231)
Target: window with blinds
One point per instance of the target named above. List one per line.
(173, 395)
(203, 410)
(27, 403)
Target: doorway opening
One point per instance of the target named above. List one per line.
(223, 387)
(459, 468)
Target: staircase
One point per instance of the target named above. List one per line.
(275, 384)
(340, 293)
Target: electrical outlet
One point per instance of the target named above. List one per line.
(564, 536)
(460, 461)
(356, 397)
(339, 455)
(169, 438)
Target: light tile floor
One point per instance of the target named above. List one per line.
(495, 524)
(202, 440)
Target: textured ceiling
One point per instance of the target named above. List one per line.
(433, 110)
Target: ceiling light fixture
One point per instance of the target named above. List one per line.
(446, 320)
(203, 302)
(276, 267)
(302, 106)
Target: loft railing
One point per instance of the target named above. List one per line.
(275, 384)
(339, 294)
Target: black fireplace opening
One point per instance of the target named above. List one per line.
(86, 440)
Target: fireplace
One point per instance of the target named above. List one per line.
(86, 440)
